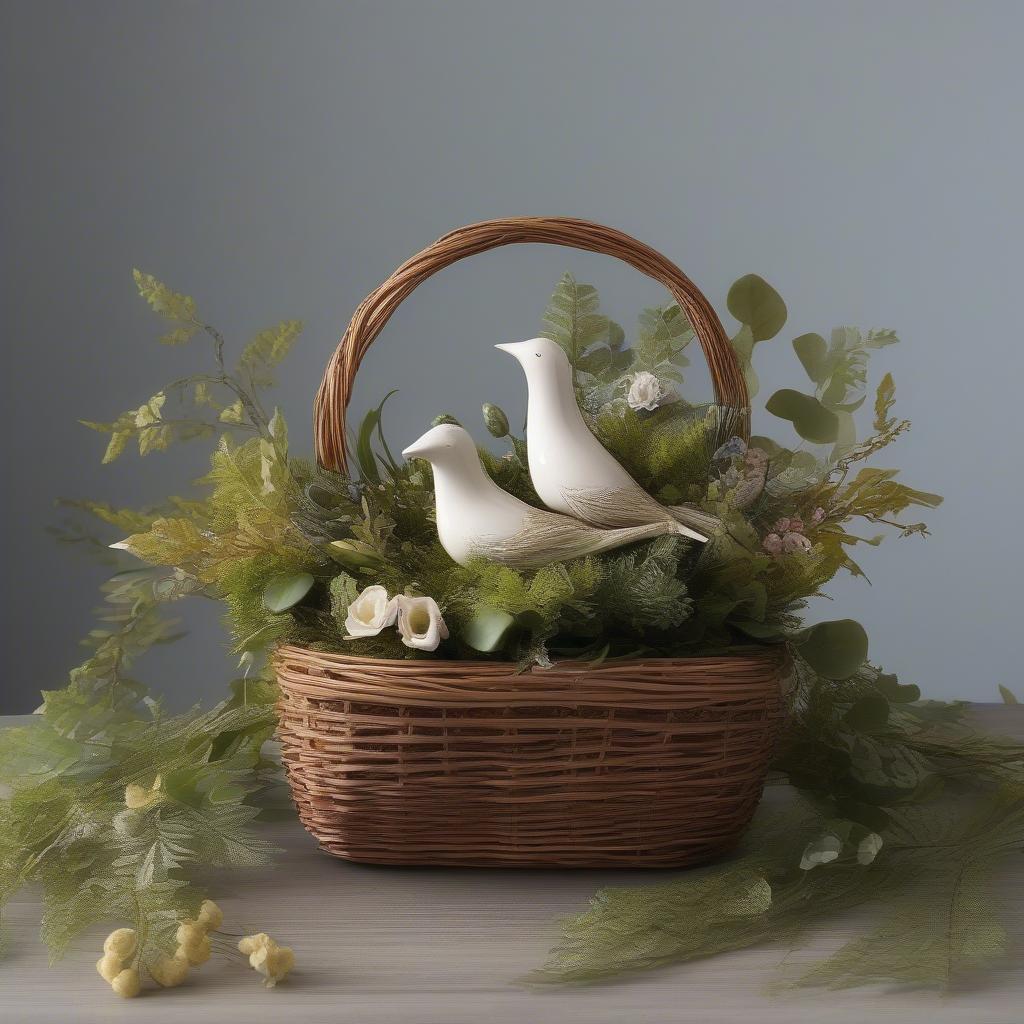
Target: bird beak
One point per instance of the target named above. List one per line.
(511, 347)
(416, 450)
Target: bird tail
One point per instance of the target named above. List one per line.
(547, 537)
(694, 522)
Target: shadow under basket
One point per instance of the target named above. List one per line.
(635, 763)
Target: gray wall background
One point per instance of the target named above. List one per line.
(280, 159)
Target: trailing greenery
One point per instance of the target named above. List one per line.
(894, 805)
(114, 806)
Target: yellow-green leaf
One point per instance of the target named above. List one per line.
(884, 399)
(170, 304)
(267, 349)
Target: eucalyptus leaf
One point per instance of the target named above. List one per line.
(811, 350)
(487, 630)
(895, 692)
(754, 302)
(868, 714)
(834, 649)
(284, 592)
(811, 420)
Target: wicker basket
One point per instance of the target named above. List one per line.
(642, 763)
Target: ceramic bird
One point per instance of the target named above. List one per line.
(572, 472)
(476, 518)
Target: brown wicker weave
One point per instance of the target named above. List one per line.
(646, 763)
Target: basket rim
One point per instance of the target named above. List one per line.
(776, 654)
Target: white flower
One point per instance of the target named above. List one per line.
(645, 391)
(420, 622)
(370, 612)
(868, 847)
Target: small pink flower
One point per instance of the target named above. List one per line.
(817, 515)
(772, 544)
(789, 525)
(793, 542)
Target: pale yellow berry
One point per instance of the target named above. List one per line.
(109, 967)
(127, 984)
(120, 942)
(190, 933)
(169, 971)
(197, 952)
(250, 943)
(210, 916)
(271, 960)
(280, 961)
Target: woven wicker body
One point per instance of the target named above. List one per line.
(653, 763)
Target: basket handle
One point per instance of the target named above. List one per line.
(375, 310)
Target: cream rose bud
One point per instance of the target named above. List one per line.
(645, 391)
(420, 622)
(370, 612)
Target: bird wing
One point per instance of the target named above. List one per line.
(617, 509)
(548, 537)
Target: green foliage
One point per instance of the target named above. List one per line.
(839, 373)
(65, 824)
(287, 546)
(266, 351)
(574, 321)
(762, 313)
(487, 630)
(834, 650)
(177, 308)
(810, 419)
(757, 305)
(916, 856)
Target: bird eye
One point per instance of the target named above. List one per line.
(537, 354)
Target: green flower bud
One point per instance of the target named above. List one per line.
(445, 417)
(495, 419)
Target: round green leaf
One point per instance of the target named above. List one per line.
(754, 302)
(284, 592)
(487, 630)
(811, 350)
(868, 714)
(835, 649)
(896, 692)
(811, 420)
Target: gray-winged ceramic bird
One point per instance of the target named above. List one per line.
(476, 518)
(572, 472)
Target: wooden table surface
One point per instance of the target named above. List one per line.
(425, 946)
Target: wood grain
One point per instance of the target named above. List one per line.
(380, 945)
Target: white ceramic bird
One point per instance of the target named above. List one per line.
(476, 518)
(572, 472)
